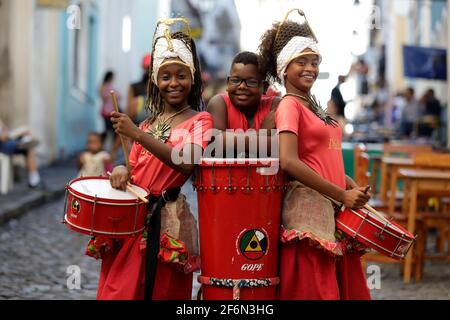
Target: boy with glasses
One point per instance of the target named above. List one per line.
(244, 106)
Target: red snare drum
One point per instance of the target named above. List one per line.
(239, 217)
(94, 207)
(389, 239)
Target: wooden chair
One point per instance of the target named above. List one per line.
(397, 149)
(439, 217)
(362, 175)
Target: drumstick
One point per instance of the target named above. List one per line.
(131, 190)
(124, 146)
(375, 212)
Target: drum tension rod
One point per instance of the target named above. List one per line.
(65, 204)
(213, 187)
(93, 215)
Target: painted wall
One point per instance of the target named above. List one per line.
(79, 110)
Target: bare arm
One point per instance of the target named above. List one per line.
(350, 183)
(124, 126)
(218, 109)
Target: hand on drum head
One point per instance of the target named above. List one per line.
(356, 198)
(119, 178)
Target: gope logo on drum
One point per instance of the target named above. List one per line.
(253, 244)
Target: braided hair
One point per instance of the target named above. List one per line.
(274, 40)
(272, 43)
(155, 102)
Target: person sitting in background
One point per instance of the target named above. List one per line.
(410, 115)
(432, 113)
(94, 161)
(20, 141)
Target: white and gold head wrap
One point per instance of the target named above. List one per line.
(167, 49)
(294, 42)
(295, 48)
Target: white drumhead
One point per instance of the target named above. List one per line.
(102, 189)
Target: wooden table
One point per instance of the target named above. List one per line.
(417, 182)
(390, 165)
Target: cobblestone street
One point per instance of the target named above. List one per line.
(36, 250)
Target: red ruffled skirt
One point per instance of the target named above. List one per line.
(122, 275)
(308, 272)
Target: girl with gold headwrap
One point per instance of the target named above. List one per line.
(315, 263)
(158, 264)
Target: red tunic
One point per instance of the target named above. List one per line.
(308, 272)
(237, 120)
(122, 274)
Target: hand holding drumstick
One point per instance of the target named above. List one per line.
(119, 180)
(372, 210)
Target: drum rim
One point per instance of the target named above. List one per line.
(390, 253)
(379, 224)
(238, 162)
(104, 233)
(100, 200)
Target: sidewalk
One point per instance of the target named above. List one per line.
(22, 199)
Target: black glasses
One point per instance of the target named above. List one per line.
(236, 82)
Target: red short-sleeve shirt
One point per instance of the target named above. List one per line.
(150, 172)
(237, 120)
(319, 145)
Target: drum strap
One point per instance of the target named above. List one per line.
(153, 238)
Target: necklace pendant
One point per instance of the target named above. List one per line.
(161, 131)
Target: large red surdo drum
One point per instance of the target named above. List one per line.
(95, 208)
(239, 203)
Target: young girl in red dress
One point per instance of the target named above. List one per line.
(158, 264)
(316, 262)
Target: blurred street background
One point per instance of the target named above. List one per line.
(384, 76)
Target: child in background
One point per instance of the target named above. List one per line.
(94, 161)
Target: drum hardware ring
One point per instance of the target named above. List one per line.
(93, 215)
(101, 202)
